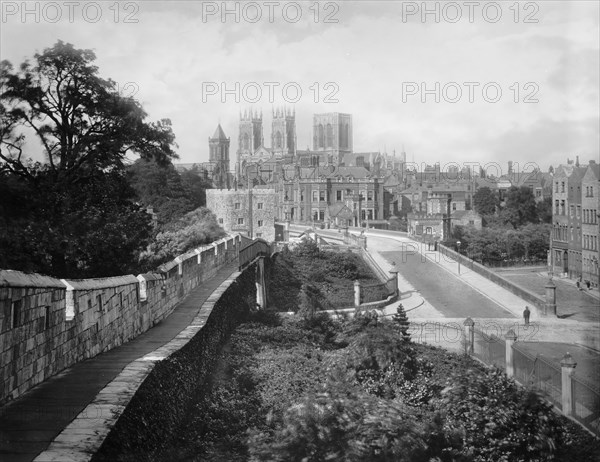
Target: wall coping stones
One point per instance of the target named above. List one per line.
(12, 278)
(100, 283)
(166, 267)
(150, 277)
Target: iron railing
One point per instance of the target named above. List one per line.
(490, 349)
(257, 248)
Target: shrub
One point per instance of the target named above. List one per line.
(499, 421)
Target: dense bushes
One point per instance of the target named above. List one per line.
(309, 279)
(313, 389)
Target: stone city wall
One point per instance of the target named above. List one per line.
(47, 324)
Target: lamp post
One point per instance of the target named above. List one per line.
(458, 259)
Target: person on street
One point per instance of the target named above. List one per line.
(526, 315)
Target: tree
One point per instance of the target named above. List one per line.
(80, 120)
(544, 210)
(520, 203)
(78, 216)
(194, 229)
(195, 186)
(92, 229)
(485, 201)
(160, 187)
(401, 320)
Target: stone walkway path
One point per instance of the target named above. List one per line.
(30, 423)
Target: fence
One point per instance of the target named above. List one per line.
(586, 404)
(490, 349)
(514, 263)
(541, 374)
(538, 373)
(258, 248)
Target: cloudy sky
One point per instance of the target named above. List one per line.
(513, 81)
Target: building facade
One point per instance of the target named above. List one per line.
(328, 194)
(590, 207)
(250, 212)
(566, 237)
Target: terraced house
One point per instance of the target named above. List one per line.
(566, 238)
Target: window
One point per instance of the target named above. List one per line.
(260, 223)
(578, 211)
(258, 234)
(99, 301)
(321, 215)
(322, 196)
(259, 206)
(240, 221)
(556, 188)
(471, 222)
(562, 186)
(16, 313)
(453, 205)
(315, 196)
(237, 206)
(369, 195)
(220, 221)
(338, 196)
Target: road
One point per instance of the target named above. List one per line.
(444, 291)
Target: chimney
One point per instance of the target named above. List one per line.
(576, 161)
(510, 167)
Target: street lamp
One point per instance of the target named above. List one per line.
(458, 259)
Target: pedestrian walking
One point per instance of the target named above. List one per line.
(588, 284)
(526, 315)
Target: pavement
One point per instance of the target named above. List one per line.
(572, 303)
(29, 424)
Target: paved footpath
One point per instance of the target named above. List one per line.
(30, 423)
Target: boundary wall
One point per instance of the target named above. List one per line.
(47, 324)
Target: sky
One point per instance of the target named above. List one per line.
(448, 82)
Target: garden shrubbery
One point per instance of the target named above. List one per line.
(323, 278)
(312, 389)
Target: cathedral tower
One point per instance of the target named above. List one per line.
(332, 134)
(283, 134)
(219, 158)
(250, 137)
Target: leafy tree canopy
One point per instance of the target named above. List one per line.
(520, 206)
(485, 201)
(194, 229)
(79, 118)
(161, 187)
(75, 214)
